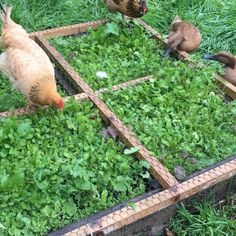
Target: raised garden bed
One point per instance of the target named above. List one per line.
(193, 119)
(131, 219)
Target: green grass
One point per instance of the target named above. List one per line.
(207, 220)
(181, 111)
(36, 15)
(56, 168)
(123, 52)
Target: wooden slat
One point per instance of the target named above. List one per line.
(158, 170)
(125, 84)
(67, 30)
(226, 87)
(127, 215)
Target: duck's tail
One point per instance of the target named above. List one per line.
(5, 14)
(176, 19)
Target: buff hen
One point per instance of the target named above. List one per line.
(26, 64)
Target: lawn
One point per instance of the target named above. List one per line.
(206, 219)
(209, 15)
(56, 168)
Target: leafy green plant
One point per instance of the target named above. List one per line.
(123, 52)
(47, 170)
(180, 116)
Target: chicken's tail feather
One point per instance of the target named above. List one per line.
(5, 12)
(2, 8)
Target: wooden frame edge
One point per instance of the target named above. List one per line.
(226, 86)
(67, 30)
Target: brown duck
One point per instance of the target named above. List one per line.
(131, 8)
(183, 36)
(229, 61)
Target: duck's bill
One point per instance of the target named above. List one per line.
(166, 52)
(209, 57)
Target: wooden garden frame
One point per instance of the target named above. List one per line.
(126, 220)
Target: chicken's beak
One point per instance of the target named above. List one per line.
(61, 105)
(209, 57)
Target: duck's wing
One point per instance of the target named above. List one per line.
(174, 39)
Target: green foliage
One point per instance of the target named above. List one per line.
(48, 160)
(179, 111)
(206, 220)
(124, 53)
(112, 28)
(131, 151)
(56, 168)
